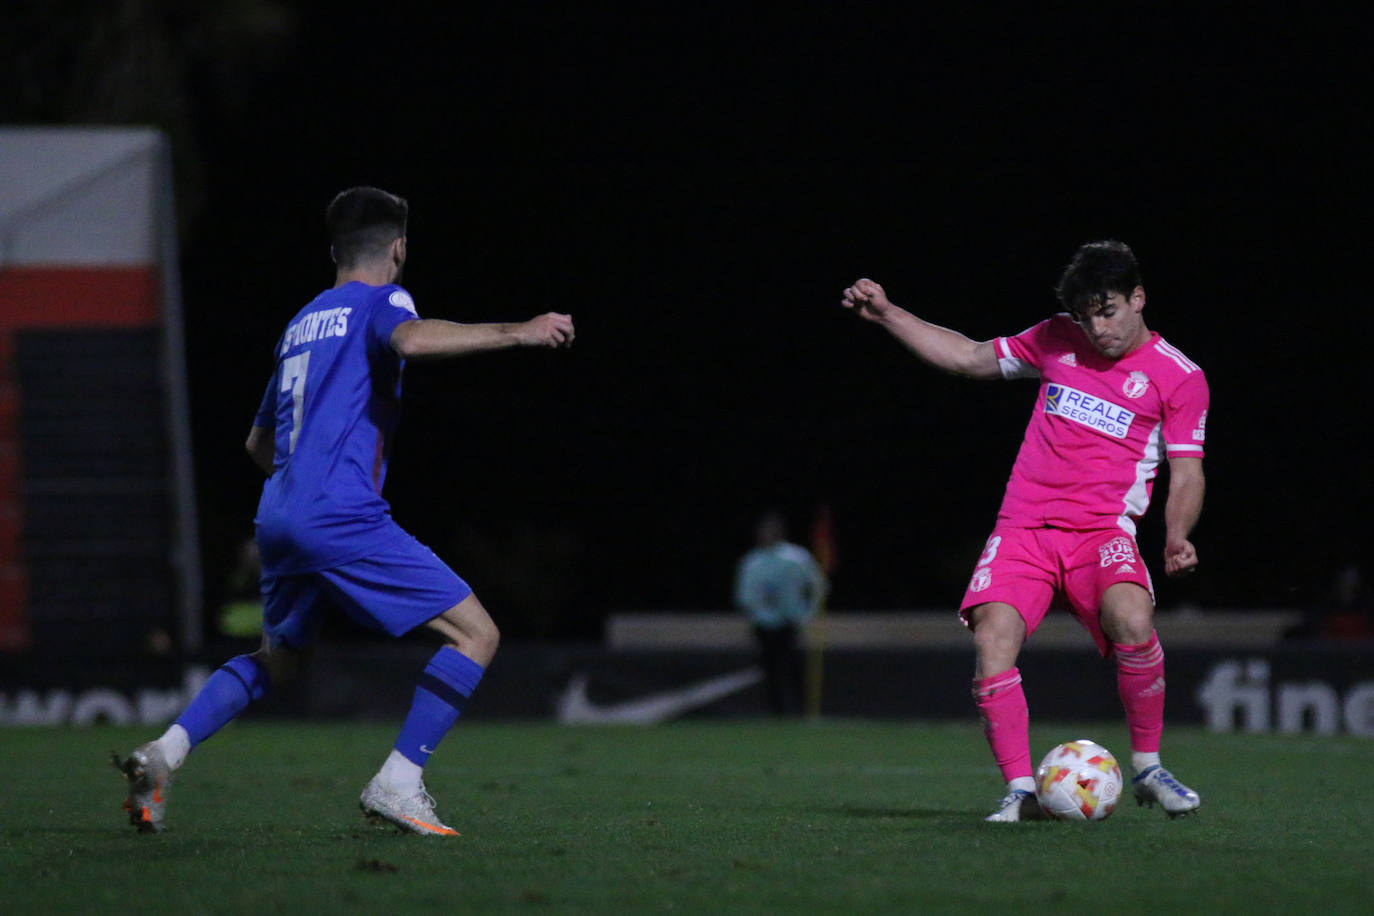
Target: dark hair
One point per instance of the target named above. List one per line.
(363, 222)
(1097, 270)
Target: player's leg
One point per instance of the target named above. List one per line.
(998, 633)
(1128, 623)
(448, 681)
(1127, 620)
(397, 792)
(399, 588)
(1007, 597)
(470, 640)
(292, 605)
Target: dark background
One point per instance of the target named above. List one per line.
(696, 185)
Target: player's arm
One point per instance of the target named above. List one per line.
(1181, 511)
(940, 347)
(262, 448)
(434, 338)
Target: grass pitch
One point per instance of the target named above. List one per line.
(700, 817)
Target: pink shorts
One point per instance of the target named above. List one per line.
(1039, 569)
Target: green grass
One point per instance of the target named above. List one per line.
(698, 817)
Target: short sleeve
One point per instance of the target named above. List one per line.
(1185, 417)
(397, 308)
(266, 417)
(1021, 356)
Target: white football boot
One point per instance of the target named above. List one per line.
(1156, 784)
(149, 777)
(409, 812)
(1018, 805)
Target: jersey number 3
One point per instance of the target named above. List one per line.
(293, 380)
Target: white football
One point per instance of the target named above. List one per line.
(1078, 781)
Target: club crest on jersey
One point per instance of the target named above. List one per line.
(1117, 550)
(401, 299)
(1095, 413)
(1136, 384)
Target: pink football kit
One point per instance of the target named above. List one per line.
(1086, 469)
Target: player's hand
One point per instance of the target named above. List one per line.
(1180, 558)
(868, 299)
(551, 329)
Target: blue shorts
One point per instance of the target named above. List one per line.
(394, 590)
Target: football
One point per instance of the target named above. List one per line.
(1078, 781)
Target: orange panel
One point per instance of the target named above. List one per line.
(14, 630)
(9, 409)
(91, 297)
(51, 297)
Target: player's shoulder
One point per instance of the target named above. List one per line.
(1171, 361)
(1061, 323)
(397, 296)
(1052, 326)
(361, 295)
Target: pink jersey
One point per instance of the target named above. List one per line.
(1100, 426)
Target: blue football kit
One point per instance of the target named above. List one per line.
(324, 532)
(325, 535)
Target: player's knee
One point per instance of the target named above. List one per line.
(997, 649)
(486, 638)
(1128, 614)
(998, 632)
(477, 639)
(468, 628)
(1129, 629)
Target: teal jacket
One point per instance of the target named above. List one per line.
(778, 584)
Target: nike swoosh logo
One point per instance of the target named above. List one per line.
(576, 708)
(425, 749)
(439, 829)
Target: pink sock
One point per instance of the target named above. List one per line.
(1006, 721)
(1140, 680)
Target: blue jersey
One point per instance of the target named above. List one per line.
(333, 403)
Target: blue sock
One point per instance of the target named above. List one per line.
(227, 693)
(444, 688)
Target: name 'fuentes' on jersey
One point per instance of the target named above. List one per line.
(333, 404)
(316, 325)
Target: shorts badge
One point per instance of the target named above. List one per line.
(1117, 550)
(982, 578)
